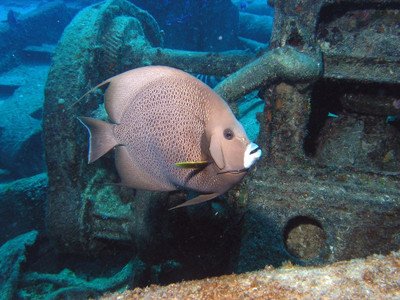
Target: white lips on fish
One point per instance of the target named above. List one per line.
(251, 155)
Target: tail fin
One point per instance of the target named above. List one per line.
(101, 138)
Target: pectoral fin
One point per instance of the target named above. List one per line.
(192, 164)
(197, 200)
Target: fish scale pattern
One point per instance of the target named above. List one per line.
(165, 124)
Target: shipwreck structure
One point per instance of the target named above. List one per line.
(327, 187)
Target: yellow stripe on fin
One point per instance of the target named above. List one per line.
(192, 164)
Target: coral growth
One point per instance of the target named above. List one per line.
(376, 277)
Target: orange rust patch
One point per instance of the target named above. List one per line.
(279, 103)
(269, 115)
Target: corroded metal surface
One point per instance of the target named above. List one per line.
(331, 180)
(78, 199)
(373, 278)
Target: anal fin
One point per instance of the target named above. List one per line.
(197, 200)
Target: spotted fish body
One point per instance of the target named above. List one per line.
(162, 117)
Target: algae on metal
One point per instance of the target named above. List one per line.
(22, 207)
(12, 255)
(282, 64)
(65, 141)
(66, 284)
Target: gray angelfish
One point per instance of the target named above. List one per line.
(171, 131)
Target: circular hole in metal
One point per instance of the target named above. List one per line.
(304, 237)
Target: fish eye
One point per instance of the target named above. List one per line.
(228, 134)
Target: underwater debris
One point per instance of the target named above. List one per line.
(376, 277)
(22, 150)
(27, 29)
(255, 27)
(283, 63)
(196, 25)
(12, 19)
(68, 284)
(178, 19)
(26, 210)
(12, 255)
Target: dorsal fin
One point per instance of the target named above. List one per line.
(125, 86)
(90, 91)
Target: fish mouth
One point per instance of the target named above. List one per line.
(251, 155)
(233, 171)
(255, 150)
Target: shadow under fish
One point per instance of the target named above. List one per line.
(170, 131)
